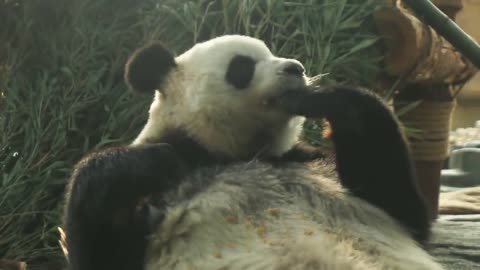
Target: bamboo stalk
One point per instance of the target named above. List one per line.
(447, 28)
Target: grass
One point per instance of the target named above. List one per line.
(62, 92)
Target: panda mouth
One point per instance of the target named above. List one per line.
(297, 86)
(272, 102)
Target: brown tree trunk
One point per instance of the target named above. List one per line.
(414, 48)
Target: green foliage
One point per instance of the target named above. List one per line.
(62, 92)
(329, 36)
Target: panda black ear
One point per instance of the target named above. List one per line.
(147, 68)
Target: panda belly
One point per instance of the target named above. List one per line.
(257, 216)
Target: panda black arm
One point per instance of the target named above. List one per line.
(104, 227)
(303, 152)
(372, 155)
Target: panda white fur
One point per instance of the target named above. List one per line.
(218, 179)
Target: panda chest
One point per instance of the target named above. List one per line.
(221, 217)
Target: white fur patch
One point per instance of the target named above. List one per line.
(254, 216)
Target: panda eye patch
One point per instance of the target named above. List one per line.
(240, 71)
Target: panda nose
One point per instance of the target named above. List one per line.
(294, 69)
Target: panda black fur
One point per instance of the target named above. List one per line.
(229, 183)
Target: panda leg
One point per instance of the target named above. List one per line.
(372, 156)
(105, 229)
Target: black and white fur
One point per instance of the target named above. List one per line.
(229, 184)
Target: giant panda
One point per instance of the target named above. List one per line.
(219, 179)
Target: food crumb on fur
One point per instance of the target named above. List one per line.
(308, 232)
(232, 219)
(273, 211)
(261, 231)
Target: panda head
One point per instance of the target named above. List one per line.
(218, 93)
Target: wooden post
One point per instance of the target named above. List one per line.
(430, 66)
(433, 117)
(449, 7)
(416, 49)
